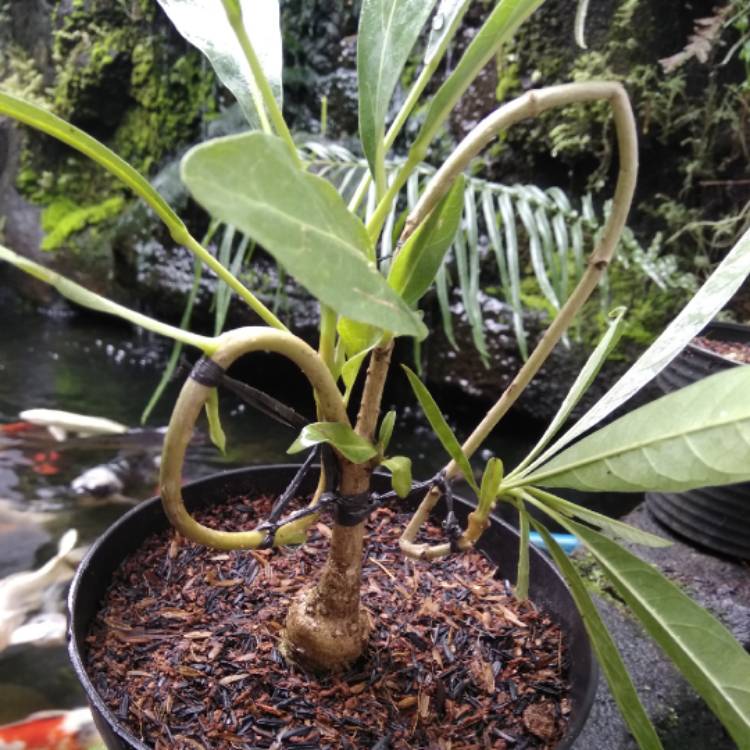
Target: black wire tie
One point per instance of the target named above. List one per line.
(206, 372)
(351, 510)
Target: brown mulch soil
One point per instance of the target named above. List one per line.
(735, 350)
(185, 651)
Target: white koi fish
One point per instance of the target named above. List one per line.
(23, 593)
(60, 423)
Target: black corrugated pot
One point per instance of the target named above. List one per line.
(499, 543)
(717, 518)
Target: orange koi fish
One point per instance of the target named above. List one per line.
(52, 730)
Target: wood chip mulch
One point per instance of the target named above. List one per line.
(736, 350)
(185, 651)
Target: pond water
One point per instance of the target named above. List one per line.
(89, 366)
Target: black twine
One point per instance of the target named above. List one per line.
(349, 510)
(206, 372)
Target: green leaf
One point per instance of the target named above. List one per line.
(205, 25)
(441, 428)
(357, 337)
(350, 370)
(386, 431)
(441, 286)
(585, 377)
(388, 30)
(466, 249)
(215, 430)
(491, 478)
(419, 260)
(609, 526)
(606, 652)
(522, 575)
(710, 298)
(448, 15)
(502, 23)
(514, 273)
(251, 182)
(400, 468)
(696, 437)
(580, 23)
(704, 651)
(538, 262)
(340, 436)
(82, 296)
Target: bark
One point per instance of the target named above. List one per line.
(326, 627)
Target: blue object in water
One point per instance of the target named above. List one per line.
(568, 542)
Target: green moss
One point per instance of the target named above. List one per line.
(85, 88)
(170, 107)
(63, 218)
(508, 76)
(127, 80)
(690, 120)
(595, 580)
(20, 74)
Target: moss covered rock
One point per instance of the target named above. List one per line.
(118, 71)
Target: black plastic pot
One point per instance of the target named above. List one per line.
(717, 518)
(499, 543)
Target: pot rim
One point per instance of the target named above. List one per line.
(75, 653)
(742, 335)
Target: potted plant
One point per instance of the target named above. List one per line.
(259, 183)
(714, 517)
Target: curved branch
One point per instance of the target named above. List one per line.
(193, 396)
(531, 104)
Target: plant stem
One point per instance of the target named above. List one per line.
(375, 225)
(372, 394)
(323, 115)
(530, 104)
(327, 342)
(326, 626)
(234, 14)
(534, 104)
(228, 347)
(82, 296)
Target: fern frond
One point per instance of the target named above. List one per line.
(505, 230)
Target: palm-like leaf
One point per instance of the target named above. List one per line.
(512, 218)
